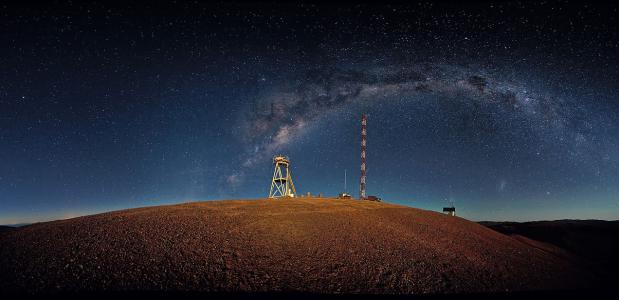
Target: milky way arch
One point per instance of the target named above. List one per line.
(284, 114)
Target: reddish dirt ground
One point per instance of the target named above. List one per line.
(304, 244)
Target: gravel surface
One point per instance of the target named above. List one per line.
(304, 244)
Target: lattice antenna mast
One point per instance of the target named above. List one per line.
(345, 189)
(364, 122)
(281, 184)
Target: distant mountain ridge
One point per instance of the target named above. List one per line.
(15, 225)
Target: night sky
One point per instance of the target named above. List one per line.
(509, 110)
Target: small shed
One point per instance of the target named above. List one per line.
(449, 210)
(344, 196)
(373, 198)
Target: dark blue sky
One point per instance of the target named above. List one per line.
(510, 110)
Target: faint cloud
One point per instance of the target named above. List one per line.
(502, 185)
(234, 179)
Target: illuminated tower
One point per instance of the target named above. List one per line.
(281, 184)
(364, 122)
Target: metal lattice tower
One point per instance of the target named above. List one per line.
(364, 122)
(281, 184)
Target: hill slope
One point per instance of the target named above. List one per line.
(5, 228)
(314, 245)
(595, 242)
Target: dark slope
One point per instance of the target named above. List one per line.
(595, 242)
(311, 245)
(5, 228)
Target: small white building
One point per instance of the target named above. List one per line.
(449, 210)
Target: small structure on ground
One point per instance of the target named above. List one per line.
(344, 196)
(373, 198)
(450, 210)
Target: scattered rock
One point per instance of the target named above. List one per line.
(304, 244)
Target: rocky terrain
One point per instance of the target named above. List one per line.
(304, 245)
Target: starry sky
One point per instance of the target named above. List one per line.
(508, 110)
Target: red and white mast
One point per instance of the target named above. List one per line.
(364, 121)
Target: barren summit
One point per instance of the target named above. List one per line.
(304, 244)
